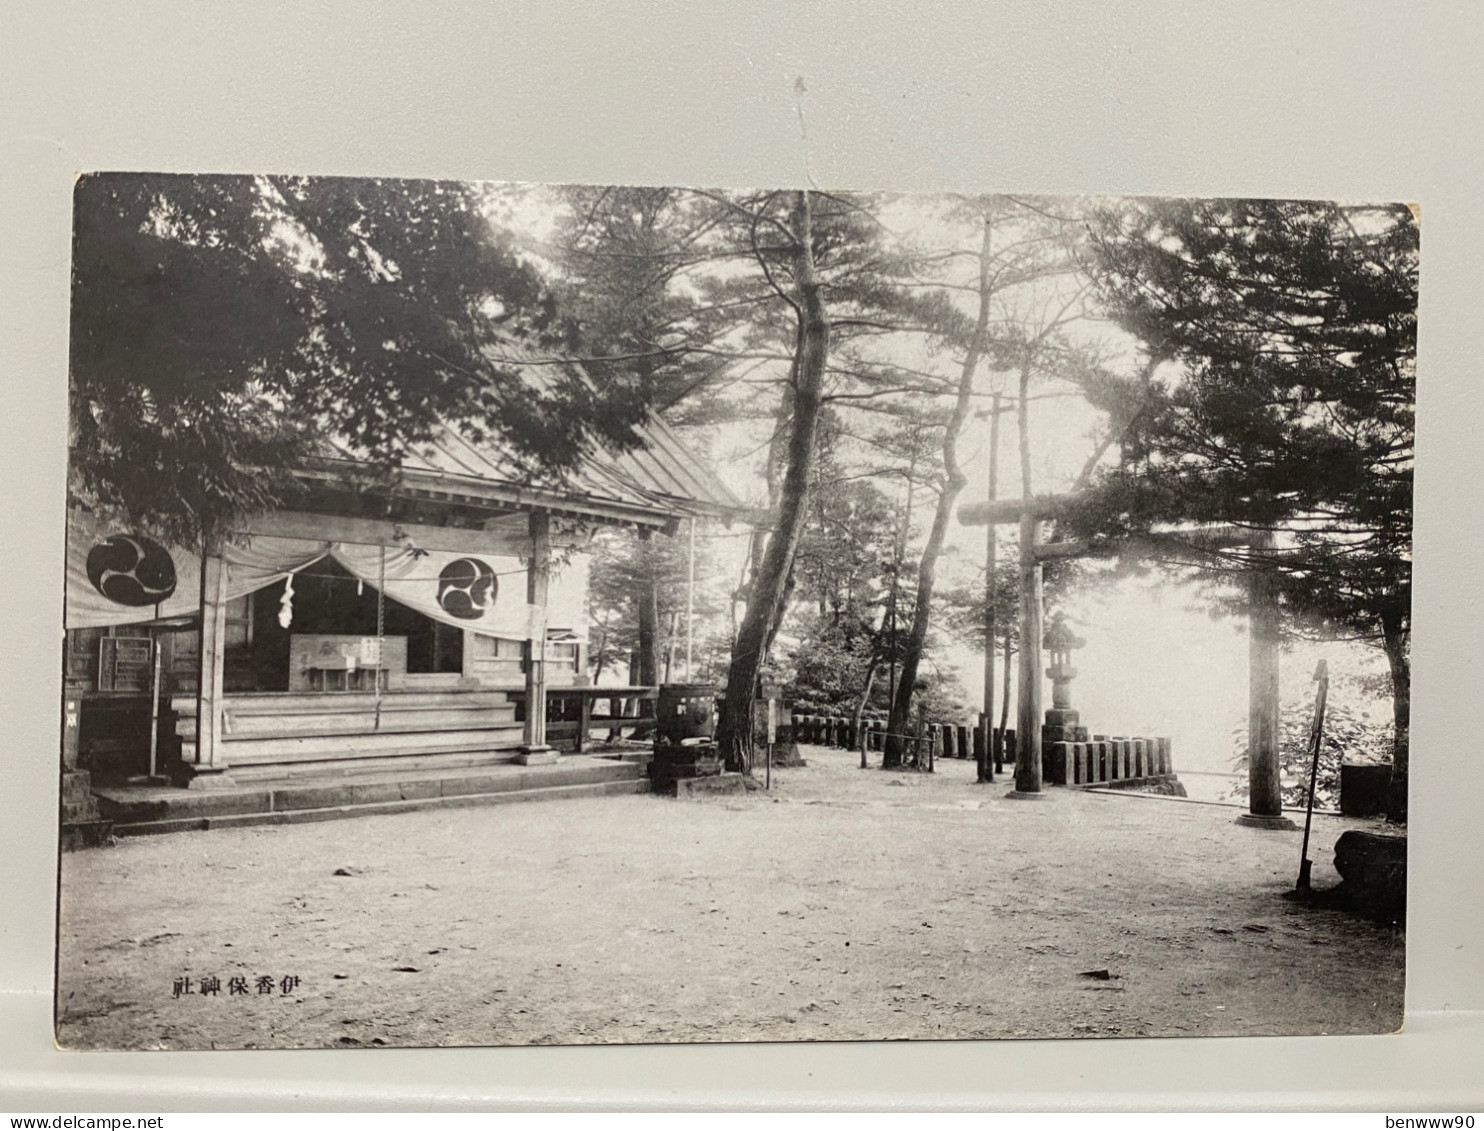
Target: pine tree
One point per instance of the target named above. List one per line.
(1294, 327)
(224, 327)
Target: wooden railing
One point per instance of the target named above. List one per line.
(571, 719)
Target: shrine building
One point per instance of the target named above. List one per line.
(422, 620)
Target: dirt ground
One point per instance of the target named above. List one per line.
(844, 904)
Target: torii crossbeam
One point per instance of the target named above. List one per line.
(1265, 794)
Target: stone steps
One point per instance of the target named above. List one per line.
(282, 729)
(333, 813)
(383, 744)
(282, 703)
(431, 762)
(239, 725)
(144, 810)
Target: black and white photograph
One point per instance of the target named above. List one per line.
(509, 614)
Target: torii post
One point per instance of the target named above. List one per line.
(1029, 513)
(1265, 793)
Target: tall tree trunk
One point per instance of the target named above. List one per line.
(602, 650)
(1023, 426)
(999, 766)
(789, 584)
(670, 641)
(765, 606)
(987, 769)
(865, 697)
(954, 482)
(1027, 705)
(1396, 640)
(891, 749)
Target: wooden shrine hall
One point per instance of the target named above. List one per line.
(414, 626)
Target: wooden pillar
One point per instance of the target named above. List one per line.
(1028, 712)
(584, 721)
(533, 749)
(208, 761)
(690, 598)
(1265, 789)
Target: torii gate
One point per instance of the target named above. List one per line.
(1265, 793)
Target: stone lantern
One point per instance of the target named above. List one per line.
(1061, 719)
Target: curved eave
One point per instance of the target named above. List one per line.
(442, 486)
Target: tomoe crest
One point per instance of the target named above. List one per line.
(132, 570)
(466, 588)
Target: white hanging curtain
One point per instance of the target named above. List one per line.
(260, 562)
(116, 576)
(483, 592)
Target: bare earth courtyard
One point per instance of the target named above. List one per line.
(843, 905)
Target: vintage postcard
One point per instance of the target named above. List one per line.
(899, 617)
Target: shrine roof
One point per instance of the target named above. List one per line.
(657, 482)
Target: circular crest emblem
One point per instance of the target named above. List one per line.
(466, 588)
(132, 570)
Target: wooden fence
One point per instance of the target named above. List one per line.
(1099, 762)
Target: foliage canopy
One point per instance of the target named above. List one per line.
(225, 328)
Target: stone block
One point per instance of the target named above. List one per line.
(696, 787)
(1061, 717)
(314, 797)
(78, 804)
(1363, 788)
(1060, 769)
(1373, 874)
(538, 756)
(86, 834)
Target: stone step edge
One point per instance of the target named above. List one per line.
(370, 808)
(268, 795)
